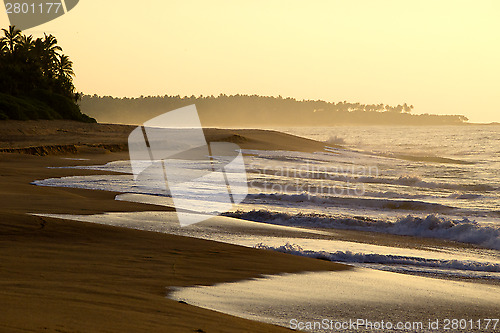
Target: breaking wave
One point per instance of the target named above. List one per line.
(350, 257)
(413, 205)
(351, 177)
(465, 230)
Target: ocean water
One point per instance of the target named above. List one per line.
(450, 166)
(433, 182)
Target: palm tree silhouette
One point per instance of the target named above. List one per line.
(64, 67)
(49, 54)
(50, 44)
(33, 62)
(25, 45)
(3, 46)
(12, 36)
(36, 79)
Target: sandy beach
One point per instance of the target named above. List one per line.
(66, 276)
(69, 276)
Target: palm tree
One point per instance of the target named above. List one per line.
(25, 46)
(29, 64)
(26, 42)
(48, 50)
(50, 44)
(3, 46)
(12, 37)
(64, 67)
(37, 48)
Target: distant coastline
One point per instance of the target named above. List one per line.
(260, 111)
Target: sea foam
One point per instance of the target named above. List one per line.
(374, 258)
(465, 230)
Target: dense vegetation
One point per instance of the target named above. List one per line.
(36, 79)
(259, 111)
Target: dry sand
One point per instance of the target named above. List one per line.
(66, 276)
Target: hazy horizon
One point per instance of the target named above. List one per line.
(440, 57)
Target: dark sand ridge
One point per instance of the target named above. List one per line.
(71, 137)
(66, 276)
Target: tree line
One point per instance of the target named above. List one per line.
(258, 111)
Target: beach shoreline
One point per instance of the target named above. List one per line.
(76, 276)
(73, 276)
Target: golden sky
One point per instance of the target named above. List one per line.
(441, 56)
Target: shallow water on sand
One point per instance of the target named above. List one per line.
(448, 261)
(332, 298)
